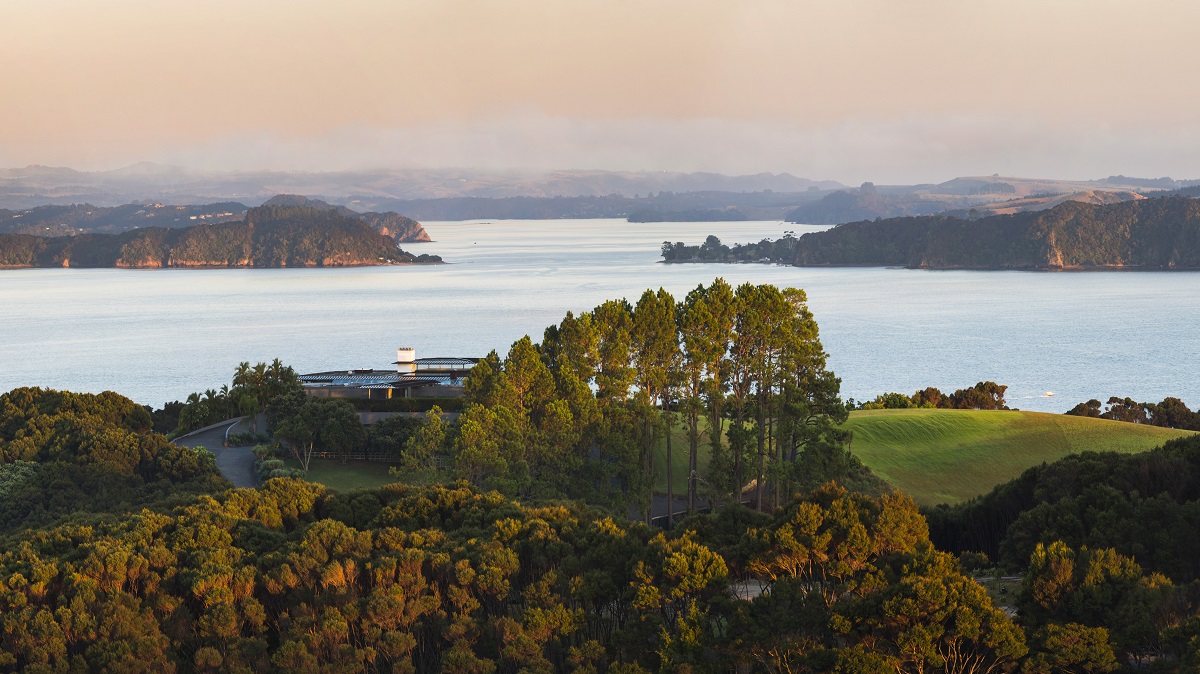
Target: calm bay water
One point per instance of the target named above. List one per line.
(158, 335)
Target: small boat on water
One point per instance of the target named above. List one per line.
(1049, 394)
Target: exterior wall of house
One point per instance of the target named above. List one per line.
(337, 392)
(439, 392)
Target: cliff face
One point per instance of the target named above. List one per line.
(1146, 234)
(400, 228)
(274, 236)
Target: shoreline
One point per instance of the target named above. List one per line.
(4, 267)
(1073, 268)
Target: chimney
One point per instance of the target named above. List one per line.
(406, 358)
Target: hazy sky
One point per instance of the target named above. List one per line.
(884, 90)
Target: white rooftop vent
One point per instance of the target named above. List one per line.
(406, 358)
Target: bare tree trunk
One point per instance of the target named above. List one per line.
(716, 430)
(693, 444)
(306, 457)
(773, 448)
(649, 470)
(738, 469)
(762, 453)
(670, 471)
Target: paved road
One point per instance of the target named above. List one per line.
(235, 463)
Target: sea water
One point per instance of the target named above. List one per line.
(157, 335)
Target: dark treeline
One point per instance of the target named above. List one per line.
(1145, 234)
(986, 395)
(1170, 413)
(270, 236)
(712, 250)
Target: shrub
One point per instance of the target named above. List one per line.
(246, 439)
(265, 467)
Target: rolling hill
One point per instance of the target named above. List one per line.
(948, 456)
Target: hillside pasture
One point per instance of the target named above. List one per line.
(949, 456)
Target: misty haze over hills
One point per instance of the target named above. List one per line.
(41, 185)
(464, 194)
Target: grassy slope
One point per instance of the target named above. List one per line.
(679, 457)
(347, 476)
(947, 456)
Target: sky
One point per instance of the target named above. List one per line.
(894, 91)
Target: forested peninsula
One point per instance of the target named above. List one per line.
(270, 236)
(84, 218)
(1151, 234)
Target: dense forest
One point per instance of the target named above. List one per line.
(73, 219)
(400, 228)
(68, 220)
(270, 236)
(120, 551)
(1170, 413)
(1104, 539)
(293, 577)
(1146, 234)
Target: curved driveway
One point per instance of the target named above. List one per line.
(235, 463)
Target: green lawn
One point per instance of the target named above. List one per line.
(679, 457)
(948, 456)
(346, 476)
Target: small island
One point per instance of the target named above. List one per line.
(1150, 234)
(274, 235)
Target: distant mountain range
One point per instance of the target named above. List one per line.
(974, 197)
(361, 190)
(462, 194)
